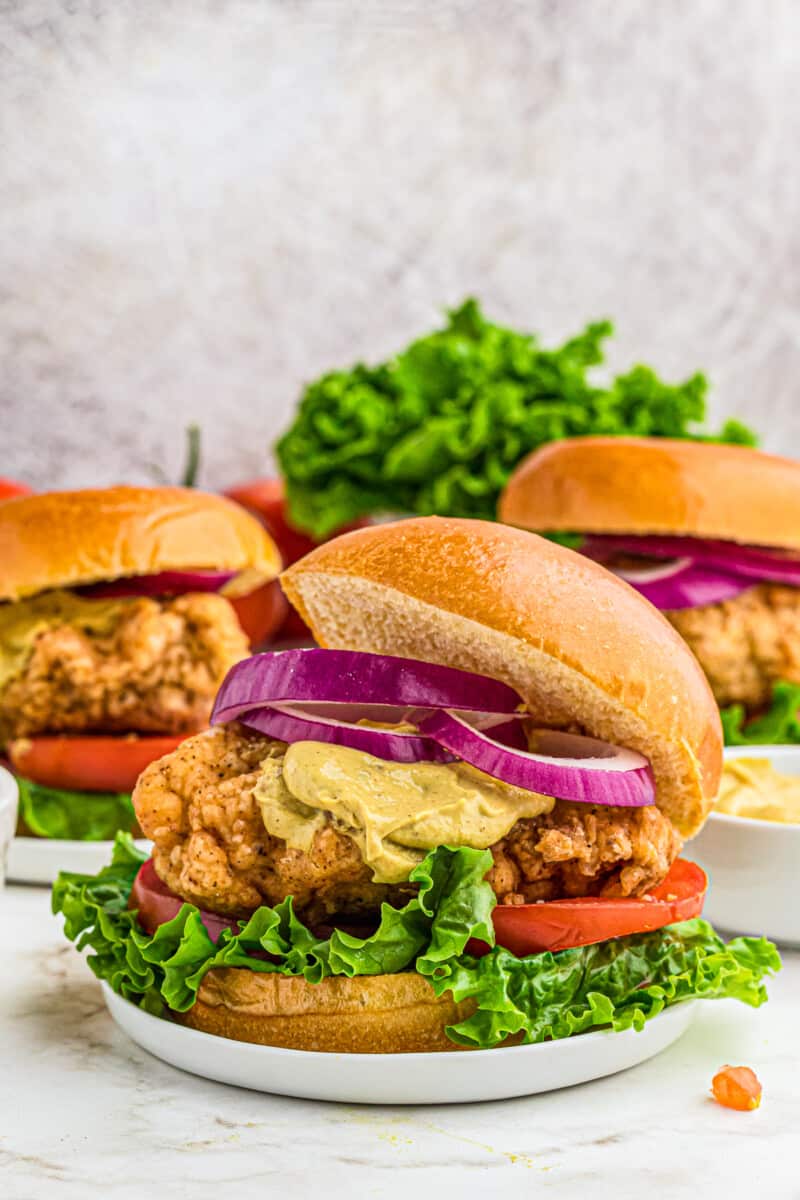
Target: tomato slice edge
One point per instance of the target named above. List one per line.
(563, 924)
(92, 762)
(558, 922)
(156, 904)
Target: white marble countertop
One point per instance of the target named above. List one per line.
(84, 1112)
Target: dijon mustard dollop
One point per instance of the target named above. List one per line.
(395, 812)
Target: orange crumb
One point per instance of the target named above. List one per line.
(736, 1087)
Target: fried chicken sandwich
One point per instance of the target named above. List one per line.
(708, 533)
(117, 627)
(457, 823)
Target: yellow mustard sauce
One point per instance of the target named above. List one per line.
(751, 787)
(395, 812)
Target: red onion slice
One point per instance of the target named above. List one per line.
(337, 683)
(717, 571)
(730, 556)
(565, 766)
(288, 724)
(321, 695)
(644, 575)
(682, 583)
(165, 583)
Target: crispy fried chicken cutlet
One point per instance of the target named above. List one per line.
(746, 644)
(212, 848)
(153, 666)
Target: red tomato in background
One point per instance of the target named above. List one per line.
(266, 499)
(261, 612)
(10, 488)
(102, 763)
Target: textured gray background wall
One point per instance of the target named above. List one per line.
(204, 204)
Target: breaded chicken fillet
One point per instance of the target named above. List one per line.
(746, 644)
(212, 848)
(155, 670)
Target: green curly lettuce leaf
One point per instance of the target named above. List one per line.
(778, 726)
(76, 816)
(618, 984)
(440, 427)
(453, 904)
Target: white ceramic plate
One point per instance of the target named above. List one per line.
(38, 860)
(400, 1078)
(9, 795)
(752, 865)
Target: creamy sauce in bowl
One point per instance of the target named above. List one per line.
(753, 788)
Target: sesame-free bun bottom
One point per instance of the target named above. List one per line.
(368, 1014)
(69, 539)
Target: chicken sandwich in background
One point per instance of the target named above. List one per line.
(709, 534)
(116, 630)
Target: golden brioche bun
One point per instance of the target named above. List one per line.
(656, 486)
(369, 1014)
(578, 644)
(66, 539)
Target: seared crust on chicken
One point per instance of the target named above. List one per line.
(156, 671)
(211, 846)
(746, 644)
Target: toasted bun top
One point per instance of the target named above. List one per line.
(657, 486)
(578, 644)
(65, 539)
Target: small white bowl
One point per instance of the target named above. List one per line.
(9, 798)
(753, 866)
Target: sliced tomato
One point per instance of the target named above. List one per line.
(561, 924)
(11, 487)
(156, 904)
(88, 764)
(261, 612)
(523, 929)
(266, 499)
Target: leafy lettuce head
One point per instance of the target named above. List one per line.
(440, 427)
